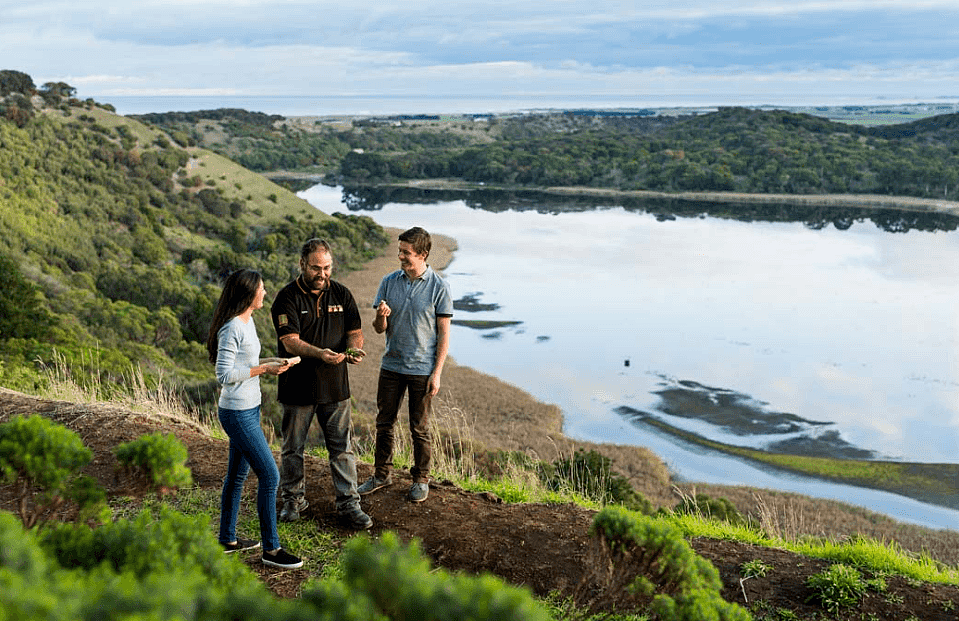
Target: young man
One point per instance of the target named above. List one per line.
(414, 308)
(316, 318)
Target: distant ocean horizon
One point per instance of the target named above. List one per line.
(333, 105)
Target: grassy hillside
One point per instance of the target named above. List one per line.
(116, 237)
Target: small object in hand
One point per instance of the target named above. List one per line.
(356, 353)
(293, 360)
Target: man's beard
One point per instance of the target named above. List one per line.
(318, 283)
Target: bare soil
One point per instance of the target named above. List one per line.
(543, 547)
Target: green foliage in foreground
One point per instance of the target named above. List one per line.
(42, 460)
(373, 568)
(168, 566)
(649, 559)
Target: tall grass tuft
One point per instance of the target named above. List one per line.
(132, 394)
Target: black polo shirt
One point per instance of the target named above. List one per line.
(321, 320)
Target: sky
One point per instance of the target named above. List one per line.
(503, 54)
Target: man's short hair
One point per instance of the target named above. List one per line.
(419, 239)
(313, 245)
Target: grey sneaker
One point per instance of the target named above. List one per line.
(291, 510)
(372, 484)
(419, 492)
(356, 518)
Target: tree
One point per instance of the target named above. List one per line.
(15, 82)
(54, 91)
(22, 314)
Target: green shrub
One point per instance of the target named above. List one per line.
(23, 572)
(399, 582)
(168, 567)
(157, 568)
(42, 460)
(157, 459)
(169, 542)
(649, 560)
(590, 475)
(332, 599)
(837, 587)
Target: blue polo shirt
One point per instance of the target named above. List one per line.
(411, 326)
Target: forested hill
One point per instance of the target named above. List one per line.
(114, 238)
(733, 149)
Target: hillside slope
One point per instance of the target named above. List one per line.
(117, 237)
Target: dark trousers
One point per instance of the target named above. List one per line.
(334, 420)
(389, 395)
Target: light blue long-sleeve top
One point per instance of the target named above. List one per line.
(238, 350)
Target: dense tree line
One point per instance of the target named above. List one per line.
(733, 149)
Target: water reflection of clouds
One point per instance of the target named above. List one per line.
(856, 327)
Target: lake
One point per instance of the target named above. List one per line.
(816, 331)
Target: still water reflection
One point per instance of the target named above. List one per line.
(816, 331)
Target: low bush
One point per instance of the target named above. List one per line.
(148, 544)
(399, 582)
(42, 460)
(649, 561)
(590, 474)
(838, 587)
(167, 566)
(157, 460)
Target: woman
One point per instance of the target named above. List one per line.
(234, 348)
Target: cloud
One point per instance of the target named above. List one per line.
(728, 52)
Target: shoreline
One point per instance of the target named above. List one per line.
(864, 201)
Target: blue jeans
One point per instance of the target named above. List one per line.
(248, 449)
(334, 420)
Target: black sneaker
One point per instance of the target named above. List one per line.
(240, 544)
(356, 519)
(291, 510)
(282, 559)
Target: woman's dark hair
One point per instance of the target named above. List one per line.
(239, 290)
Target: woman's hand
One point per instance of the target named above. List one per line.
(274, 367)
